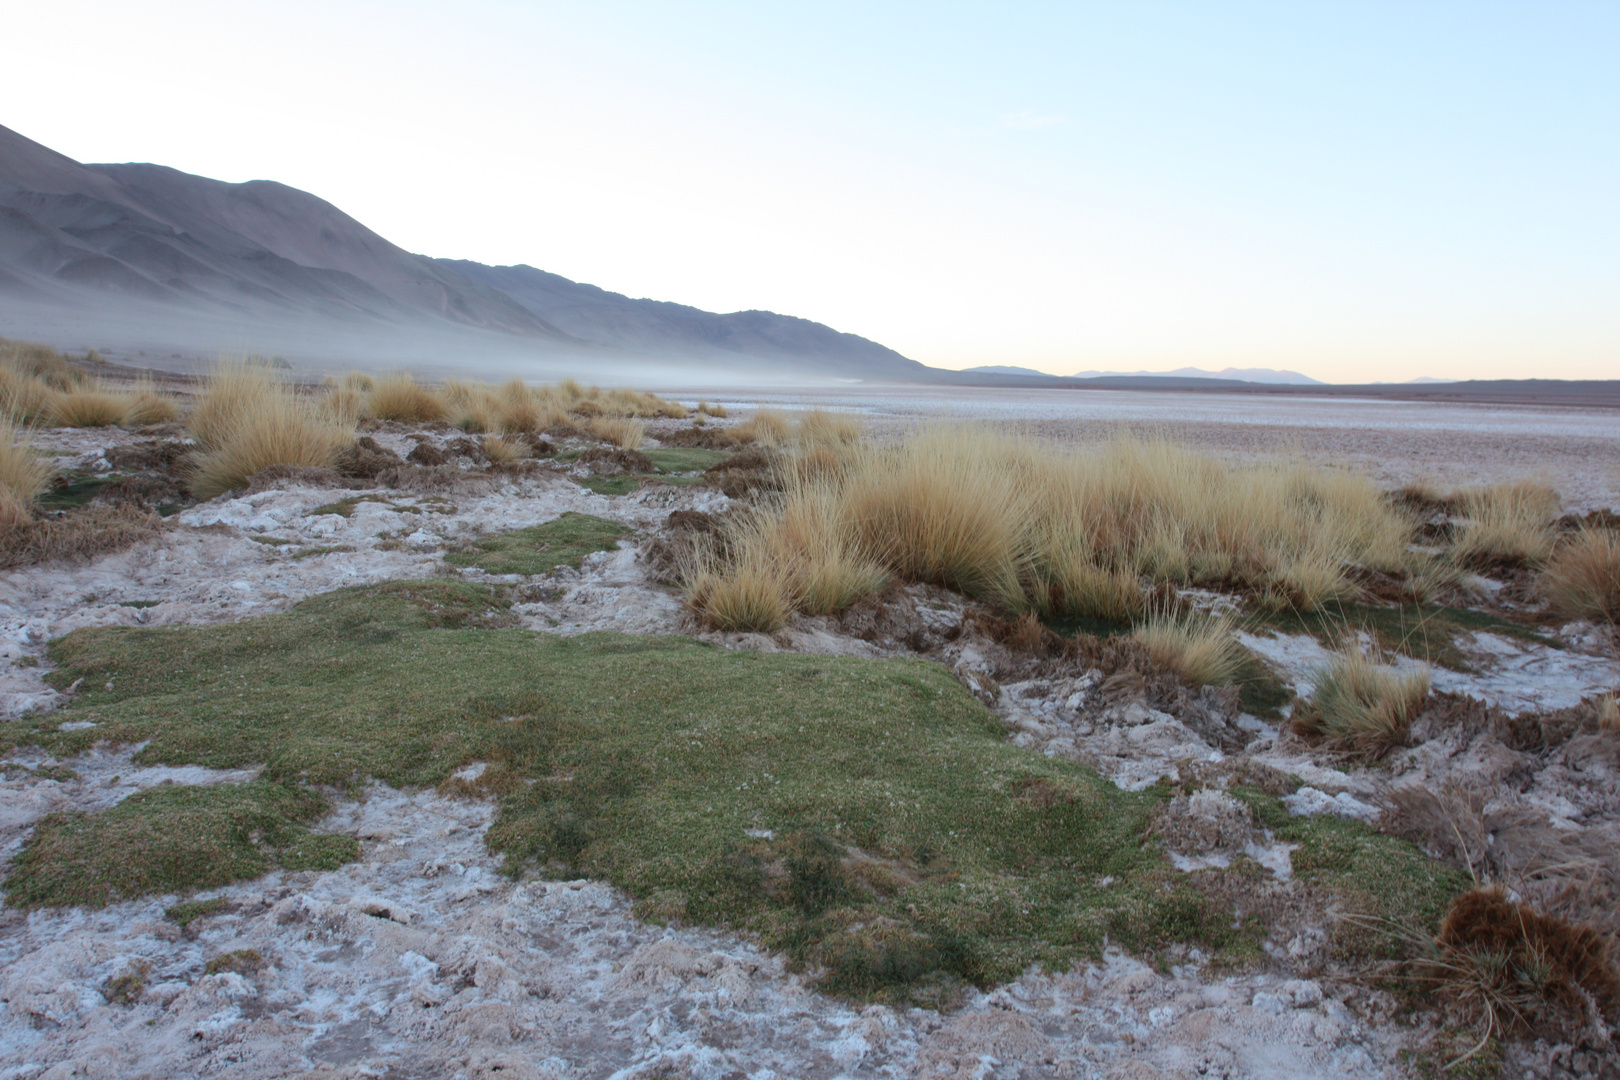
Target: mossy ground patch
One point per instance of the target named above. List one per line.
(538, 550)
(173, 838)
(867, 817)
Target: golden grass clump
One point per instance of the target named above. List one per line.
(749, 596)
(1608, 714)
(1506, 525)
(504, 451)
(767, 427)
(146, 405)
(1583, 579)
(716, 411)
(88, 406)
(1017, 523)
(23, 475)
(342, 405)
(231, 392)
(819, 427)
(358, 381)
(1199, 648)
(620, 431)
(25, 399)
(1362, 704)
(640, 404)
(247, 421)
(400, 397)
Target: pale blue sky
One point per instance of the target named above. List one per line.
(1355, 190)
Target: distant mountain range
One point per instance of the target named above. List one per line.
(169, 257)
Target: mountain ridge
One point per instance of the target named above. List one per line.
(261, 259)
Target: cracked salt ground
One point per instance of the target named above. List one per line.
(1515, 676)
(421, 961)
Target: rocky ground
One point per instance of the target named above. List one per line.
(420, 960)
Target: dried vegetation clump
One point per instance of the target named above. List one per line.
(1582, 580)
(38, 385)
(1505, 526)
(1517, 971)
(1008, 521)
(246, 421)
(1363, 705)
(23, 475)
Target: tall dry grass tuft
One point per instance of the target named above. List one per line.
(716, 411)
(358, 381)
(230, 393)
(147, 405)
(1583, 579)
(749, 595)
(1362, 704)
(767, 427)
(341, 405)
(88, 406)
(1506, 525)
(504, 451)
(1012, 521)
(618, 430)
(639, 404)
(400, 397)
(25, 399)
(23, 475)
(250, 421)
(1199, 648)
(819, 427)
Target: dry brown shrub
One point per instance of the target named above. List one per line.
(1522, 972)
(76, 536)
(1583, 579)
(717, 411)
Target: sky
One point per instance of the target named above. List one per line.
(1359, 191)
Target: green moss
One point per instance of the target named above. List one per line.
(190, 911)
(78, 491)
(172, 838)
(867, 817)
(1388, 881)
(563, 542)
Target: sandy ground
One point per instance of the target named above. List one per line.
(421, 961)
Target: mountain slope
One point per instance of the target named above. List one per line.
(86, 245)
(596, 314)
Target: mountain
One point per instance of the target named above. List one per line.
(611, 318)
(154, 256)
(1254, 375)
(1006, 369)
